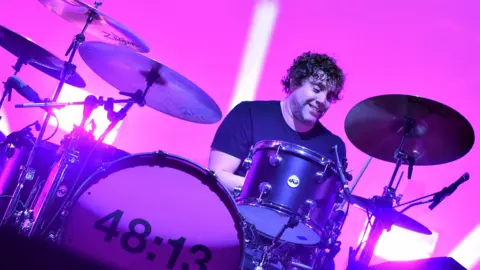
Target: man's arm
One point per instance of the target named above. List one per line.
(224, 166)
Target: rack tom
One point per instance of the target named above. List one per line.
(284, 180)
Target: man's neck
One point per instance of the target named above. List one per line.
(291, 121)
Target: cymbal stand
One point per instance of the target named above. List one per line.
(386, 200)
(292, 222)
(40, 225)
(28, 172)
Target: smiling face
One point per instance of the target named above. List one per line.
(309, 101)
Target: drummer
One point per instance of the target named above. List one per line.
(312, 84)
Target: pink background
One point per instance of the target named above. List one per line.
(425, 48)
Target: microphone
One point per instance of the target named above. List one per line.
(91, 103)
(22, 88)
(447, 191)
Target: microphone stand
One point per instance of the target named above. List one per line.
(337, 218)
(386, 201)
(27, 173)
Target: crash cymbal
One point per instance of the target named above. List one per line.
(440, 134)
(102, 26)
(171, 93)
(34, 55)
(389, 214)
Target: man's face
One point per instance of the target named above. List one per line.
(311, 100)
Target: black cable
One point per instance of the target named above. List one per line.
(415, 200)
(56, 128)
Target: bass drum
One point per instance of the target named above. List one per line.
(155, 211)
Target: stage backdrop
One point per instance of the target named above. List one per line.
(239, 50)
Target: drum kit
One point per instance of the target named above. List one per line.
(159, 210)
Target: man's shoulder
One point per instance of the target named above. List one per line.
(258, 104)
(334, 137)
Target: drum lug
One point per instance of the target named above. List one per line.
(275, 160)
(247, 163)
(52, 237)
(26, 220)
(324, 161)
(211, 173)
(161, 153)
(310, 205)
(320, 177)
(264, 188)
(30, 173)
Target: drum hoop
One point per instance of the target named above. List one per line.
(164, 159)
(279, 208)
(292, 148)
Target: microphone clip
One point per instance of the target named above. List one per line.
(90, 104)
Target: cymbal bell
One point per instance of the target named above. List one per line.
(102, 26)
(389, 214)
(170, 93)
(439, 134)
(34, 55)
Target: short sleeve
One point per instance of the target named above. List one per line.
(342, 148)
(233, 134)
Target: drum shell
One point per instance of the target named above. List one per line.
(130, 195)
(284, 196)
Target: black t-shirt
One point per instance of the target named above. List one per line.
(252, 121)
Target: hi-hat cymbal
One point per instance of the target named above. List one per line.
(102, 26)
(36, 56)
(171, 93)
(439, 135)
(389, 215)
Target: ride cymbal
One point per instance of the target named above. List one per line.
(439, 133)
(170, 93)
(102, 25)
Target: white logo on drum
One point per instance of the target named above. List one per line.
(293, 181)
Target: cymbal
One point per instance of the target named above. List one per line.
(389, 214)
(171, 93)
(440, 134)
(36, 56)
(102, 26)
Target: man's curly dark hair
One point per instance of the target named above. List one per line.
(307, 65)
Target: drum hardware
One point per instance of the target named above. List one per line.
(293, 221)
(276, 158)
(309, 207)
(403, 124)
(247, 162)
(70, 153)
(341, 173)
(264, 188)
(385, 201)
(66, 72)
(293, 189)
